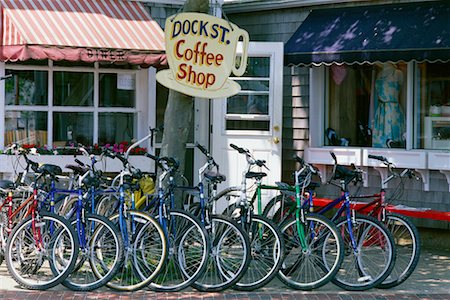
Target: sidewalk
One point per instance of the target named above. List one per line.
(431, 280)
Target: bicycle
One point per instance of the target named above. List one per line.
(406, 235)
(309, 238)
(266, 241)
(42, 242)
(229, 255)
(101, 252)
(369, 246)
(187, 238)
(145, 241)
(141, 263)
(186, 244)
(314, 245)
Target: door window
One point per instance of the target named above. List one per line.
(249, 109)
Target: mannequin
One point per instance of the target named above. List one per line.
(389, 119)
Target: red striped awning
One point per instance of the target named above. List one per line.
(80, 30)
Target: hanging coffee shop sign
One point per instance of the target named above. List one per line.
(202, 53)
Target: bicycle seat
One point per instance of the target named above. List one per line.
(257, 175)
(50, 169)
(7, 185)
(215, 177)
(77, 169)
(345, 174)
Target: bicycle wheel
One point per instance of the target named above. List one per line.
(229, 255)
(145, 251)
(373, 259)
(315, 263)
(36, 249)
(407, 245)
(267, 253)
(280, 209)
(100, 258)
(107, 205)
(188, 250)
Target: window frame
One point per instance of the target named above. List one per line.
(50, 108)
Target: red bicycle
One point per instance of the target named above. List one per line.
(41, 250)
(406, 235)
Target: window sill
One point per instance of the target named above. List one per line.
(422, 161)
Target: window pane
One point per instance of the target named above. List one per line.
(256, 67)
(366, 105)
(25, 127)
(247, 125)
(26, 87)
(253, 99)
(71, 127)
(432, 109)
(73, 89)
(117, 90)
(115, 128)
(254, 85)
(248, 104)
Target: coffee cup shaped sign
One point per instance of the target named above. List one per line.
(201, 52)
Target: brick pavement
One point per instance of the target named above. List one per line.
(431, 280)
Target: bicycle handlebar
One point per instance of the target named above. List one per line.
(166, 163)
(239, 149)
(203, 150)
(380, 158)
(148, 136)
(79, 162)
(250, 158)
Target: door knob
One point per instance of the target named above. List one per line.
(276, 140)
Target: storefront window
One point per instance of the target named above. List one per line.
(73, 89)
(366, 105)
(432, 107)
(117, 90)
(73, 107)
(25, 127)
(72, 127)
(26, 87)
(115, 127)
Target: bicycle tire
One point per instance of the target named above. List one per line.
(100, 261)
(318, 264)
(407, 244)
(229, 255)
(142, 262)
(188, 244)
(375, 258)
(24, 260)
(267, 254)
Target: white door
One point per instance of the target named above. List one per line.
(251, 119)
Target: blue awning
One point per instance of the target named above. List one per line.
(401, 32)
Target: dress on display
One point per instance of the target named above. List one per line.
(389, 120)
